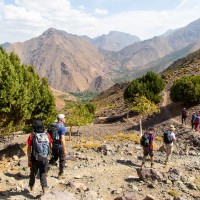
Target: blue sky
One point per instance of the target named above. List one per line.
(115, 6)
(21, 20)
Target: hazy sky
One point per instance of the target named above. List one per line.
(21, 20)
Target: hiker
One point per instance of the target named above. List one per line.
(193, 120)
(39, 144)
(147, 141)
(59, 150)
(196, 122)
(184, 116)
(169, 139)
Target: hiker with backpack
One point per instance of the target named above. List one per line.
(196, 122)
(59, 151)
(184, 116)
(193, 120)
(169, 139)
(147, 141)
(39, 144)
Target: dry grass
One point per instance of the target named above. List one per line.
(109, 137)
(122, 136)
(133, 137)
(174, 193)
(159, 138)
(197, 180)
(90, 145)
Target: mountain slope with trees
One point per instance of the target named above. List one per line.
(113, 99)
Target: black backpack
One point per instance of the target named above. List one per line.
(167, 137)
(53, 130)
(145, 140)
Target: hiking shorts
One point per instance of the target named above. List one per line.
(147, 152)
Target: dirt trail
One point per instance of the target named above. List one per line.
(166, 101)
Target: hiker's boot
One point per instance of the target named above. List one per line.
(31, 188)
(61, 175)
(44, 190)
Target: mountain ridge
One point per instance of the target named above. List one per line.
(73, 64)
(65, 59)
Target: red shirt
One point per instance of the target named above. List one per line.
(30, 139)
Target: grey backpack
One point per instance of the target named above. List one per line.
(41, 146)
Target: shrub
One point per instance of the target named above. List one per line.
(149, 85)
(186, 89)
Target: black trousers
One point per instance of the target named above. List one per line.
(42, 166)
(57, 153)
(184, 120)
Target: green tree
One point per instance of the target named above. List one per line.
(143, 106)
(149, 85)
(80, 115)
(186, 89)
(23, 95)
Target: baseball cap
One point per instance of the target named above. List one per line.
(61, 116)
(151, 128)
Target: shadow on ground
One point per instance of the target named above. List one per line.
(17, 176)
(128, 163)
(8, 194)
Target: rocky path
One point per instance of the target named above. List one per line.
(112, 173)
(106, 174)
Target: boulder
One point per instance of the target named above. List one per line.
(12, 150)
(150, 174)
(105, 147)
(174, 174)
(56, 194)
(78, 185)
(149, 197)
(128, 195)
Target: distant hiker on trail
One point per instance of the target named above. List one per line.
(147, 141)
(184, 116)
(196, 122)
(39, 144)
(59, 150)
(193, 120)
(169, 139)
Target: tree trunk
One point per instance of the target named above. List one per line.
(127, 116)
(70, 133)
(141, 127)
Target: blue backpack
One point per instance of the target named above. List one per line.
(145, 140)
(41, 146)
